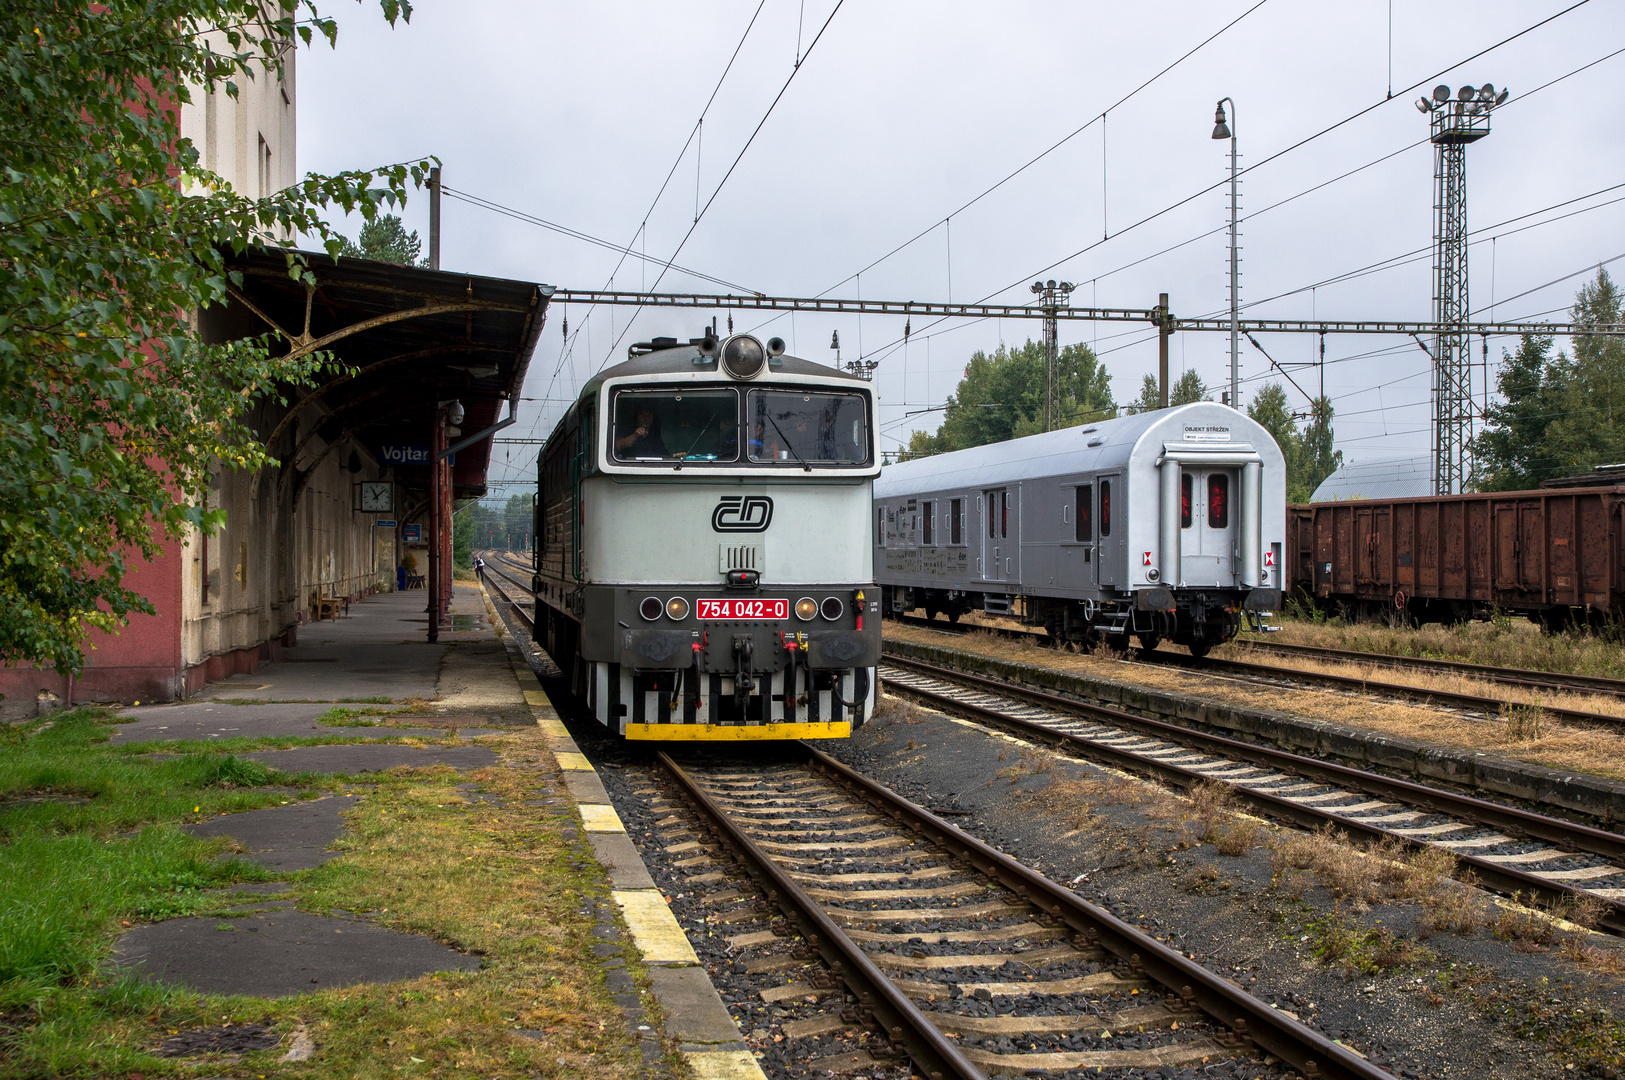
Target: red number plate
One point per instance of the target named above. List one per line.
(744, 609)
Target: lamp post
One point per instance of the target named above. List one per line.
(1223, 130)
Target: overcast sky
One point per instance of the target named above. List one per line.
(905, 112)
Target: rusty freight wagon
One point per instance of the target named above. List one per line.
(1554, 555)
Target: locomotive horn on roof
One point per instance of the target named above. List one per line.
(743, 356)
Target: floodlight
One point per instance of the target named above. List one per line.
(1487, 91)
(1502, 96)
(1424, 104)
(1050, 284)
(1037, 286)
(1441, 93)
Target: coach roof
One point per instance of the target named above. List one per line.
(1106, 444)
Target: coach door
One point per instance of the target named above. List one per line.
(1208, 504)
(1111, 524)
(1001, 534)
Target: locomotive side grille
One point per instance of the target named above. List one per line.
(741, 557)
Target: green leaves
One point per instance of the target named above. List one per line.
(1558, 416)
(112, 235)
(1002, 397)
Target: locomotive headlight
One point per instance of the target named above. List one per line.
(743, 356)
(806, 608)
(651, 608)
(677, 608)
(832, 608)
(1153, 574)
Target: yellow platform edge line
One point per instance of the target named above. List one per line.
(569, 760)
(736, 733)
(536, 697)
(555, 728)
(724, 1065)
(600, 818)
(654, 928)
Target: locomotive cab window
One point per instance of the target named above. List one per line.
(676, 425)
(798, 428)
(1083, 516)
(1218, 501)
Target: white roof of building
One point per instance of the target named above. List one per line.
(1398, 477)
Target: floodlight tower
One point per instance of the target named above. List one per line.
(1055, 297)
(1455, 123)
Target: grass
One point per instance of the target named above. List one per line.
(1357, 950)
(1532, 736)
(497, 880)
(1499, 642)
(88, 836)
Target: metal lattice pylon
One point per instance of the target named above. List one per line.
(1454, 125)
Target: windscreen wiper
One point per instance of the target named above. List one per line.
(790, 445)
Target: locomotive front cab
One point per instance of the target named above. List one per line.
(725, 579)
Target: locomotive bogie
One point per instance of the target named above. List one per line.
(1161, 525)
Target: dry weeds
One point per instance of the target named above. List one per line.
(1503, 642)
(1597, 751)
(1378, 873)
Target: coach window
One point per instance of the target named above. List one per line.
(1084, 513)
(928, 519)
(1218, 501)
(688, 426)
(1184, 500)
(880, 526)
(1105, 509)
(956, 521)
(806, 429)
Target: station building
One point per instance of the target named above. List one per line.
(360, 485)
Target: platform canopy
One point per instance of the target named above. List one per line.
(415, 338)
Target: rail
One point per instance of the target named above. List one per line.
(1251, 1021)
(1468, 812)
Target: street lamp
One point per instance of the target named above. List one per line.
(1222, 130)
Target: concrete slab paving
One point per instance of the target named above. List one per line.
(205, 720)
(371, 757)
(286, 838)
(280, 953)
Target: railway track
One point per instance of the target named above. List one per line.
(1277, 674)
(1508, 849)
(522, 609)
(939, 941)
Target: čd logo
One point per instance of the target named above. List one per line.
(742, 513)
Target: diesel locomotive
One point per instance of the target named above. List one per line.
(703, 549)
(1164, 525)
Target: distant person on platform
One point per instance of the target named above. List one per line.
(644, 440)
(479, 565)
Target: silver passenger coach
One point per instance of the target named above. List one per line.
(1163, 525)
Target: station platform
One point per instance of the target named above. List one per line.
(470, 703)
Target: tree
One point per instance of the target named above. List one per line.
(1187, 388)
(385, 239)
(112, 235)
(517, 518)
(1002, 397)
(1309, 454)
(462, 537)
(1557, 416)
